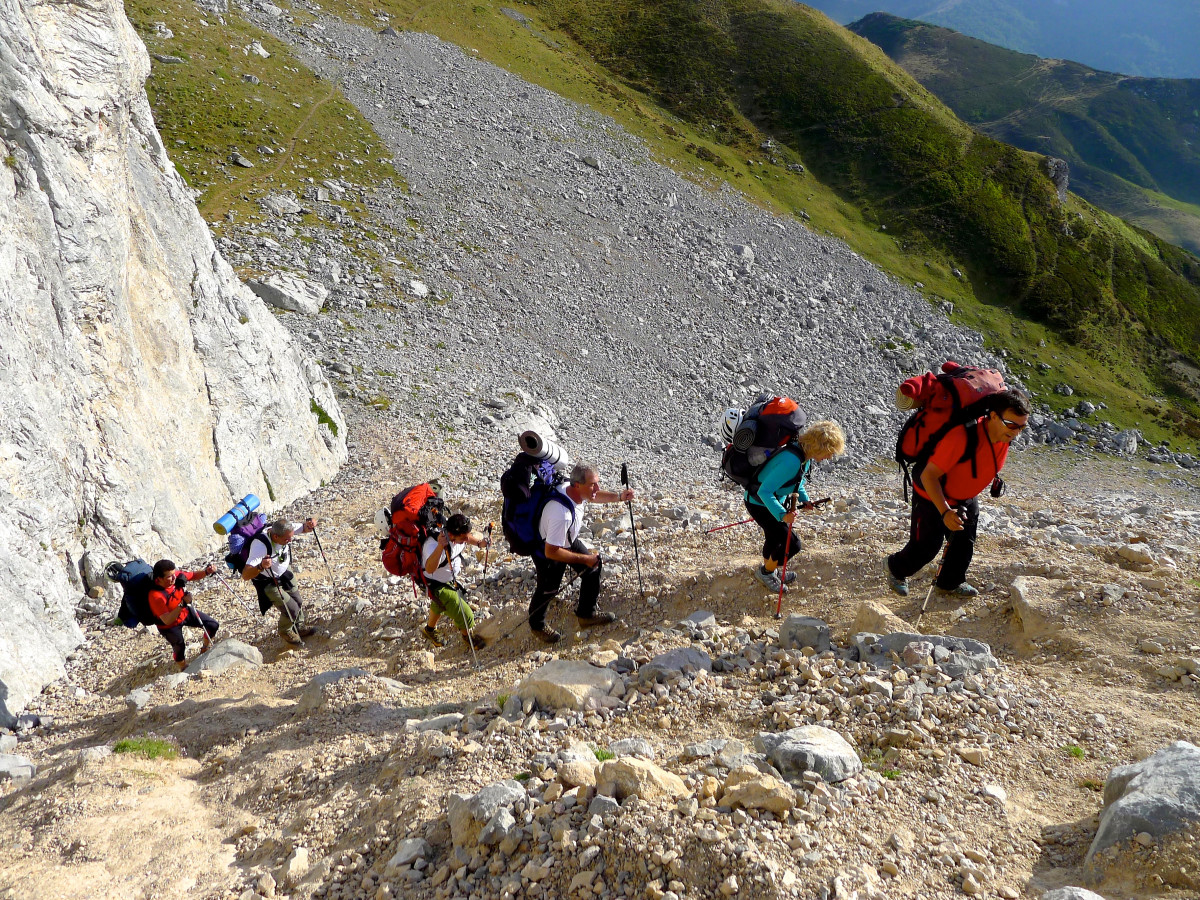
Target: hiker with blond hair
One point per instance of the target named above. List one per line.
(785, 473)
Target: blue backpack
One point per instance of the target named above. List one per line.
(136, 578)
(527, 486)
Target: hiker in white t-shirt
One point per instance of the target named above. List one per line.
(559, 528)
(441, 561)
(268, 568)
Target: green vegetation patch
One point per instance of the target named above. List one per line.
(322, 416)
(226, 99)
(147, 748)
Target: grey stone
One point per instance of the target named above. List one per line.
(570, 684)
(409, 851)
(139, 698)
(957, 656)
(468, 814)
(679, 660)
(1071, 893)
(312, 697)
(16, 767)
(1159, 796)
(225, 656)
(238, 160)
(280, 204)
(90, 756)
(8, 742)
(291, 293)
(175, 679)
(437, 723)
(809, 748)
(497, 827)
(702, 619)
(634, 746)
(603, 806)
(804, 631)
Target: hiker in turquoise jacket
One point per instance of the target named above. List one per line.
(784, 474)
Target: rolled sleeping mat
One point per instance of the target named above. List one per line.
(543, 448)
(240, 511)
(744, 437)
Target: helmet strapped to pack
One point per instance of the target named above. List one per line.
(417, 514)
(955, 396)
(136, 578)
(770, 424)
(527, 486)
(730, 420)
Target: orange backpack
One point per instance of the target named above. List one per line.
(416, 513)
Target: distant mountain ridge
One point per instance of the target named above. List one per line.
(1133, 143)
(1150, 38)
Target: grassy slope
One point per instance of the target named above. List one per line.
(205, 112)
(549, 56)
(1131, 142)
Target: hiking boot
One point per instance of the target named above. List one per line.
(898, 585)
(430, 634)
(596, 618)
(770, 580)
(181, 664)
(307, 631)
(791, 576)
(290, 636)
(963, 592)
(547, 635)
(474, 640)
(206, 644)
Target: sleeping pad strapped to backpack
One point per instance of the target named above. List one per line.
(136, 578)
(943, 400)
(239, 541)
(527, 486)
(417, 514)
(769, 424)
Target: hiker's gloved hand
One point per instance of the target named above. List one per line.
(952, 520)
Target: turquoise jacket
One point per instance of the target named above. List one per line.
(784, 474)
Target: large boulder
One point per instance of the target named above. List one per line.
(749, 788)
(799, 632)
(568, 684)
(681, 660)
(809, 748)
(1034, 607)
(1071, 893)
(312, 697)
(469, 814)
(957, 656)
(873, 617)
(143, 383)
(1159, 796)
(629, 776)
(224, 656)
(291, 293)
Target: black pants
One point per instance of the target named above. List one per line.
(926, 533)
(194, 619)
(776, 541)
(550, 576)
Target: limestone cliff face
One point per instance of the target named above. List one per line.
(141, 385)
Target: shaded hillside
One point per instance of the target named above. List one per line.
(1150, 38)
(867, 128)
(1133, 143)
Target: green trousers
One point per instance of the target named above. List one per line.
(444, 599)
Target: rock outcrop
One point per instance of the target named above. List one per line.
(143, 384)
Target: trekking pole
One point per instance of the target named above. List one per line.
(328, 568)
(730, 525)
(932, 584)
(555, 594)
(283, 601)
(636, 556)
(470, 630)
(488, 549)
(792, 500)
(236, 596)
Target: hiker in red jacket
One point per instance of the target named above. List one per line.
(173, 606)
(944, 504)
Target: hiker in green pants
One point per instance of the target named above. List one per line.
(442, 560)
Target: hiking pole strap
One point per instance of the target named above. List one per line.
(637, 557)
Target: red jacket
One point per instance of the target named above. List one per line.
(168, 604)
(959, 484)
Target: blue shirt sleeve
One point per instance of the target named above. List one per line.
(781, 472)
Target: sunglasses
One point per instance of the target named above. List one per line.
(1014, 426)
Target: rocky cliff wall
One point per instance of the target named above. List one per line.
(141, 385)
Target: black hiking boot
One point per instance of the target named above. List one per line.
(596, 618)
(547, 635)
(474, 639)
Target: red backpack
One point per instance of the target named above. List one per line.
(416, 513)
(943, 400)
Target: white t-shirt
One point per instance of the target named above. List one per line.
(559, 527)
(281, 554)
(446, 572)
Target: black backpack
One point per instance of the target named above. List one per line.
(768, 427)
(527, 486)
(136, 578)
